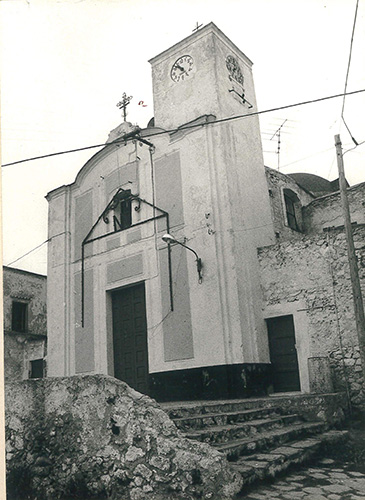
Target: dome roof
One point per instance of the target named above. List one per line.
(151, 123)
(315, 184)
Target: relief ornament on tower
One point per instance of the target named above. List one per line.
(234, 70)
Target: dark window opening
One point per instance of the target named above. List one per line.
(19, 317)
(123, 212)
(290, 213)
(36, 368)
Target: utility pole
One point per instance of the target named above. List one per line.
(354, 272)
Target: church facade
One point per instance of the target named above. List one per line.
(179, 316)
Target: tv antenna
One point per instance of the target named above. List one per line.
(278, 135)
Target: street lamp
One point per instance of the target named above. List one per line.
(168, 238)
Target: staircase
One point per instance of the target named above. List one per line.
(259, 438)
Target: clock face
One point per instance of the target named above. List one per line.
(182, 68)
(234, 69)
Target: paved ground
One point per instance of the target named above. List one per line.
(324, 481)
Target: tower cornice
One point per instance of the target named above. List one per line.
(186, 42)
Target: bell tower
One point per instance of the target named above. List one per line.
(203, 74)
(204, 80)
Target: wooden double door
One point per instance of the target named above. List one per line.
(130, 337)
(283, 354)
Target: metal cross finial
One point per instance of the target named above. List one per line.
(197, 27)
(124, 103)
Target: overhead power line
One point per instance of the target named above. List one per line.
(187, 127)
(307, 157)
(54, 154)
(357, 145)
(29, 252)
(347, 74)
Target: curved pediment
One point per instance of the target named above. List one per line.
(93, 162)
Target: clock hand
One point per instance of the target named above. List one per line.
(180, 67)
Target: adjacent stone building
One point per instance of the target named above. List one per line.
(306, 282)
(25, 324)
(253, 305)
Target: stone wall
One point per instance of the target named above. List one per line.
(13, 357)
(277, 182)
(21, 348)
(94, 437)
(19, 352)
(30, 288)
(313, 273)
(326, 211)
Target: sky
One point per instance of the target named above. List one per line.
(66, 63)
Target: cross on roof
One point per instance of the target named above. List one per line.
(197, 27)
(124, 103)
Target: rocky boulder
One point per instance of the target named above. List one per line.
(95, 437)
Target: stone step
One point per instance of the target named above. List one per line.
(269, 439)
(312, 406)
(195, 408)
(260, 437)
(202, 420)
(226, 433)
(267, 465)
